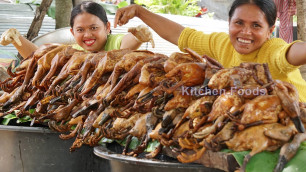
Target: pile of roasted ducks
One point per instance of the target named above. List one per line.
(186, 102)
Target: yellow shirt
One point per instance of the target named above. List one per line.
(272, 52)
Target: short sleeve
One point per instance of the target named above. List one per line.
(113, 42)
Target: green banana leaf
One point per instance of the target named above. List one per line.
(7, 118)
(266, 161)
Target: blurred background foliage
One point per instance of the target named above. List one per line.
(176, 7)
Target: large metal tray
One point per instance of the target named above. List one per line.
(123, 163)
(62, 35)
(37, 149)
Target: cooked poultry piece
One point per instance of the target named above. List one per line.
(152, 73)
(289, 97)
(168, 117)
(62, 113)
(199, 107)
(261, 110)
(209, 129)
(17, 96)
(41, 107)
(62, 127)
(17, 107)
(222, 79)
(143, 34)
(107, 64)
(70, 68)
(261, 73)
(88, 67)
(36, 96)
(156, 133)
(6, 95)
(134, 105)
(88, 124)
(255, 139)
(186, 74)
(178, 58)
(9, 70)
(127, 62)
(288, 151)
(57, 64)
(228, 102)
(226, 133)
(11, 84)
(178, 101)
(131, 77)
(122, 126)
(144, 125)
(44, 64)
(134, 90)
(205, 59)
(104, 116)
(42, 50)
(77, 131)
(149, 123)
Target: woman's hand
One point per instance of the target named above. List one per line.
(165, 28)
(123, 15)
(143, 34)
(10, 36)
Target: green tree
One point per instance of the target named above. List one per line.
(176, 7)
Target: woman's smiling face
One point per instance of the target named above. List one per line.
(90, 32)
(248, 28)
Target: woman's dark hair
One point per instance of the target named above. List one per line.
(267, 6)
(89, 7)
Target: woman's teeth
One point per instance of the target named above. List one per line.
(90, 42)
(244, 41)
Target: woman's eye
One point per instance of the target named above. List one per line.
(256, 26)
(94, 28)
(79, 30)
(239, 23)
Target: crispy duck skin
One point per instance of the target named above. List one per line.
(123, 94)
(87, 68)
(255, 139)
(177, 58)
(129, 77)
(107, 64)
(57, 64)
(127, 62)
(44, 64)
(17, 96)
(289, 97)
(70, 68)
(228, 102)
(262, 109)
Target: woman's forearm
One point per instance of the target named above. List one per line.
(296, 55)
(165, 28)
(27, 47)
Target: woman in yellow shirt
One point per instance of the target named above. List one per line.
(251, 23)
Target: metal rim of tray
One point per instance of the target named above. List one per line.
(62, 35)
(102, 151)
(26, 129)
